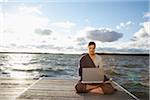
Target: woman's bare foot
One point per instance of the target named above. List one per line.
(97, 90)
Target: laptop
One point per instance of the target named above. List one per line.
(92, 75)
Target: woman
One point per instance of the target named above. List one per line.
(91, 60)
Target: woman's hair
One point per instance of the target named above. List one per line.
(92, 43)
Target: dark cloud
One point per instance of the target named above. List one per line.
(43, 31)
(104, 35)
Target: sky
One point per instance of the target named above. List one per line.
(67, 26)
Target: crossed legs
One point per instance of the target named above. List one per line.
(94, 89)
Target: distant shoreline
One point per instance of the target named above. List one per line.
(128, 54)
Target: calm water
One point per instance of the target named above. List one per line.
(132, 72)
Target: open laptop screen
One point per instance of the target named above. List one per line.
(92, 75)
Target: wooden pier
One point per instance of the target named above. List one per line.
(63, 89)
(11, 87)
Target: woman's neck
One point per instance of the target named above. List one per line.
(93, 54)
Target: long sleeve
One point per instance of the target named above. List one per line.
(98, 61)
(85, 62)
(80, 70)
(100, 64)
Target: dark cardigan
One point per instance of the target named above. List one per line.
(87, 62)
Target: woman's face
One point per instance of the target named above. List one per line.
(91, 49)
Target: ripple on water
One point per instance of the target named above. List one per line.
(138, 89)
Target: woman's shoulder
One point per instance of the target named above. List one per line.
(98, 56)
(84, 56)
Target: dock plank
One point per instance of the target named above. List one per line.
(11, 87)
(63, 89)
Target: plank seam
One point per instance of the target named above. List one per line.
(27, 88)
(133, 96)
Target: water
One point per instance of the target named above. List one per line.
(132, 72)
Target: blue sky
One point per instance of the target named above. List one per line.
(68, 26)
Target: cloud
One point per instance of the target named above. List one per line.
(18, 27)
(1, 22)
(81, 36)
(23, 30)
(43, 31)
(83, 32)
(139, 42)
(141, 38)
(48, 46)
(65, 24)
(24, 23)
(70, 47)
(144, 32)
(104, 35)
(87, 21)
(125, 25)
(81, 41)
(0, 8)
(4, 1)
(30, 10)
(147, 14)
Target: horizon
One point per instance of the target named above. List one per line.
(99, 53)
(67, 26)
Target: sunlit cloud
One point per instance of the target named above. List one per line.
(24, 21)
(147, 14)
(83, 32)
(100, 34)
(87, 21)
(124, 25)
(144, 32)
(19, 27)
(4, 0)
(140, 39)
(142, 36)
(81, 41)
(23, 24)
(0, 8)
(81, 36)
(30, 28)
(65, 24)
(1, 19)
(30, 10)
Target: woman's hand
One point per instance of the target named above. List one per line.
(109, 81)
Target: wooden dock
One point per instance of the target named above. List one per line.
(63, 89)
(11, 87)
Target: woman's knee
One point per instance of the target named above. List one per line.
(108, 89)
(80, 88)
